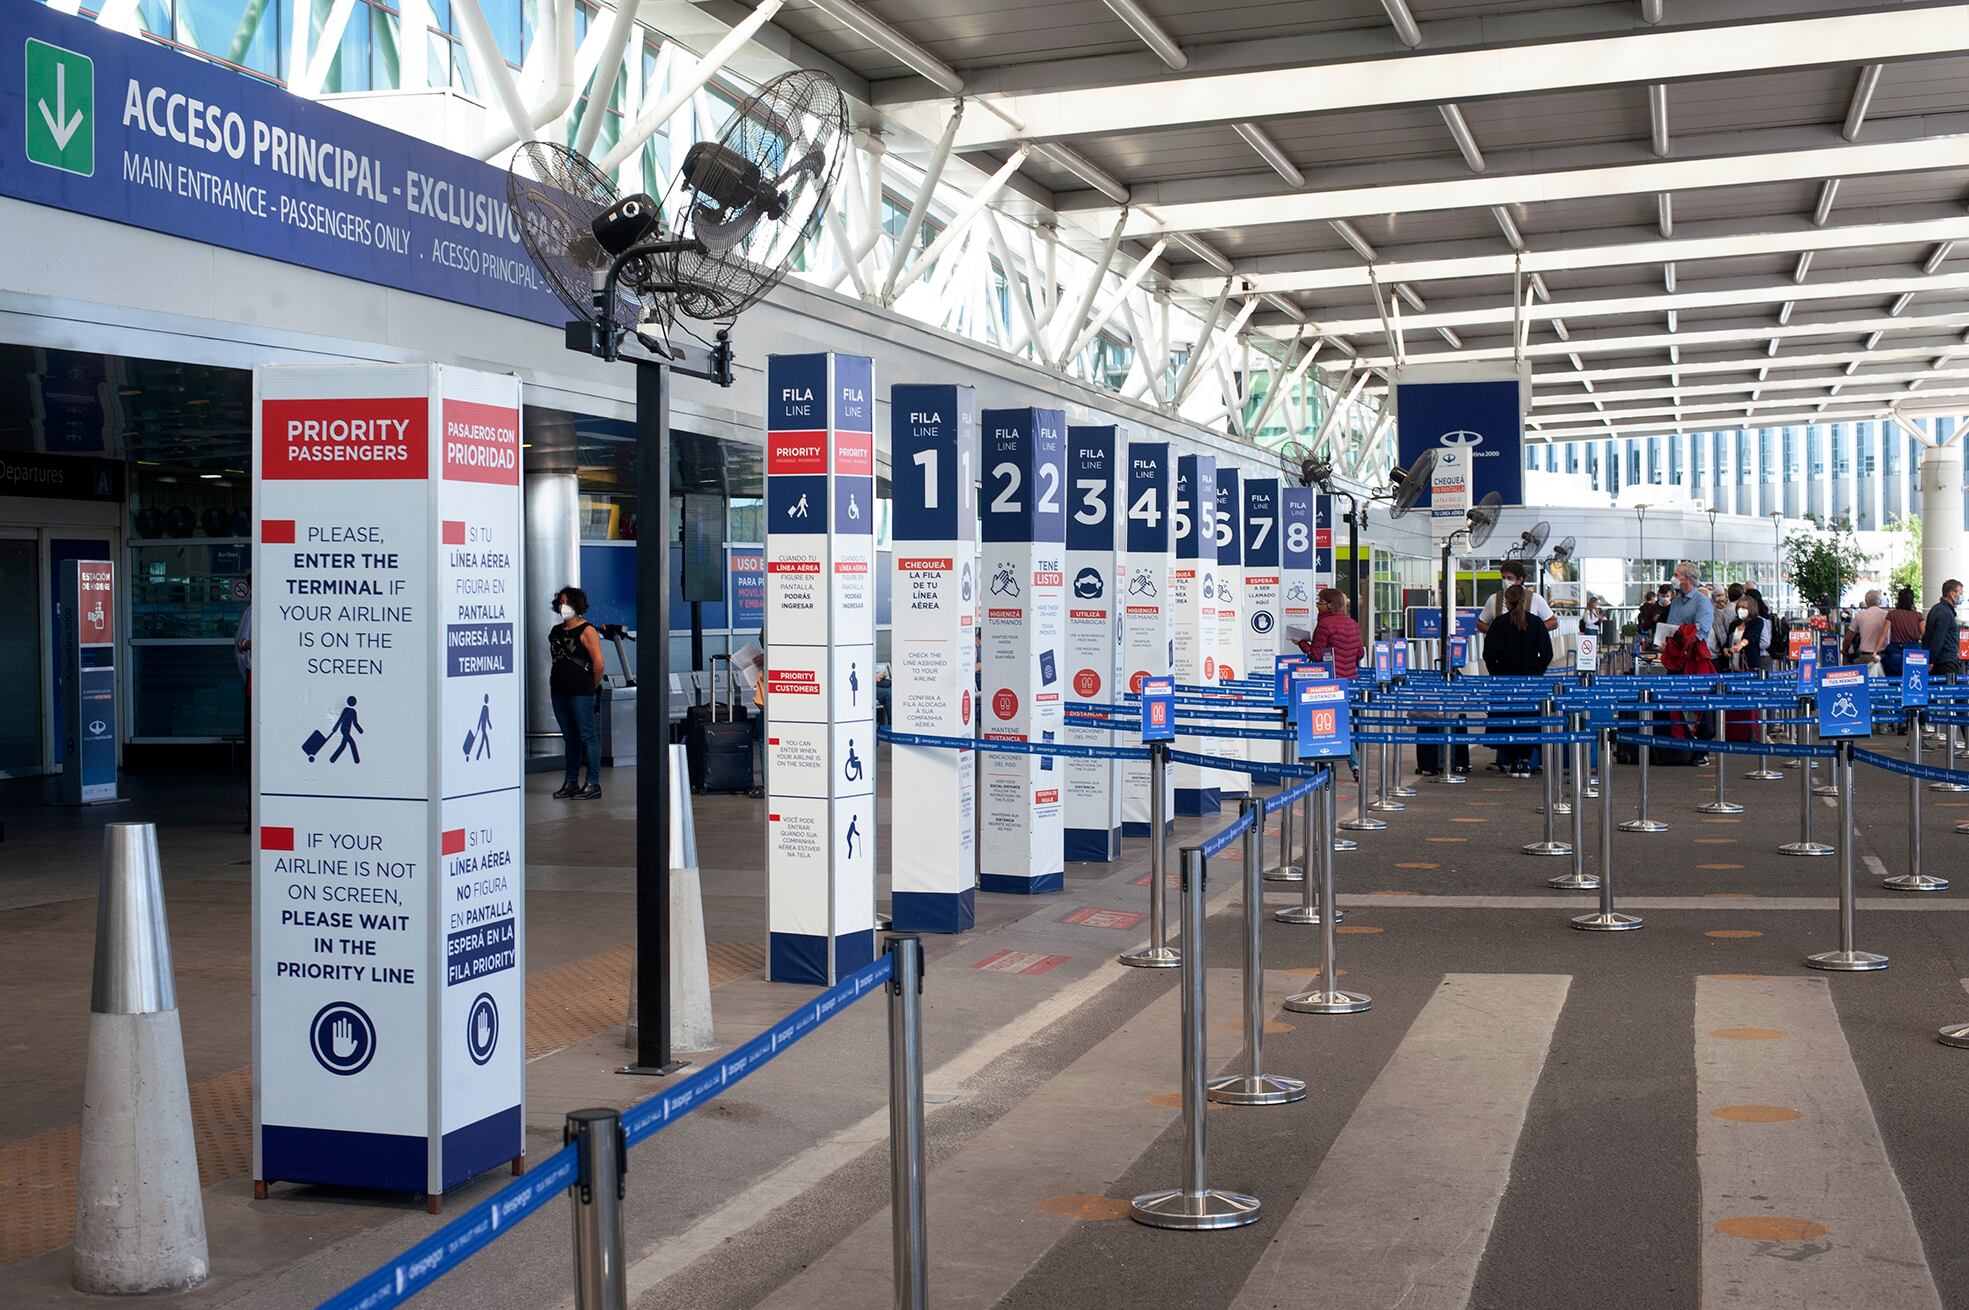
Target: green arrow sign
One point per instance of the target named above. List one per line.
(61, 108)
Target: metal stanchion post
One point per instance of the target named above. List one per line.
(1720, 805)
(1254, 1086)
(601, 1279)
(1804, 845)
(1763, 772)
(1194, 1205)
(1579, 880)
(1643, 752)
(1362, 820)
(1320, 808)
(1914, 880)
(1157, 954)
(1328, 998)
(1449, 776)
(1949, 731)
(1846, 959)
(1607, 919)
(1382, 799)
(1830, 787)
(909, 1222)
(1284, 870)
(1551, 845)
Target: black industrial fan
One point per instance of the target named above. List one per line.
(1478, 524)
(1530, 542)
(1561, 553)
(740, 208)
(1408, 484)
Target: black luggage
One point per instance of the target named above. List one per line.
(718, 738)
(1429, 757)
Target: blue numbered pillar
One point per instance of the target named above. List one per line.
(1093, 647)
(1147, 613)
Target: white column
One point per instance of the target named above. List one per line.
(1147, 610)
(1093, 636)
(1943, 555)
(820, 666)
(1024, 529)
(389, 720)
(1194, 659)
(933, 460)
(1231, 618)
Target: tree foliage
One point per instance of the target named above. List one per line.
(1824, 560)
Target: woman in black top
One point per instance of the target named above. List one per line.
(574, 678)
(1750, 632)
(1515, 645)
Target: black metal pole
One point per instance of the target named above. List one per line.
(653, 724)
(1354, 561)
(1449, 612)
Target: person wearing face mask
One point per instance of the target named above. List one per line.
(1749, 637)
(574, 678)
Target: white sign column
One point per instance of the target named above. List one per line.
(820, 665)
(1192, 593)
(1263, 632)
(1023, 524)
(1147, 613)
(1230, 618)
(933, 461)
(1093, 637)
(1299, 580)
(388, 748)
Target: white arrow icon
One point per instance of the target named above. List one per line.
(63, 130)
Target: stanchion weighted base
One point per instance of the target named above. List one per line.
(1152, 957)
(1963, 829)
(1194, 1211)
(1265, 1089)
(1956, 1034)
(1328, 1003)
(1341, 845)
(1825, 789)
(1362, 825)
(1948, 786)
(1643, 825)
(1805, 848)
(1562, 807)
(1450, 779)
(1575, 882)
(1792, 764)
(1606, 922)
(1386, 807)
(1305, 914)
(1285, 873)
(1545, 848)
(1719, 807)
(1403, 792)
(1765, 775)
(1846, 961)
(1914, 882)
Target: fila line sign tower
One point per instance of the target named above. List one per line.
(1147, 629)
(1231, 664)
(1093, 636)
(1023, 562)
(389, 1023)
(933, 461)
(1192, 593)
(820, 666)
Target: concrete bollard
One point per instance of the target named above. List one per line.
(690, 964)
(139, 1218)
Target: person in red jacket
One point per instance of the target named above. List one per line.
(1335, 635)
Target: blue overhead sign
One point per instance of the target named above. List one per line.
(137, 133)
(1475, 427)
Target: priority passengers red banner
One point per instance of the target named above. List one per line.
(345, 440)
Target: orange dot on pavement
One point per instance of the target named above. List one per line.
(1272, 1027)
(1719, 866)
(1174, 1101)
(1722, 820)
(1747, 1034)
(1355, 927)
(1418, 864)
(1469, 819)
(1733, 934)
(1772, 1228)
(1307, 971)
(1448, 839)
(1756, 1114)
(1716, 841)
(1081, 1206)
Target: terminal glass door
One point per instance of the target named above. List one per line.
(20, 654)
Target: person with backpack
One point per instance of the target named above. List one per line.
(575, 679)
(1516, 644)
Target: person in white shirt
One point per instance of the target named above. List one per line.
(1513, 574)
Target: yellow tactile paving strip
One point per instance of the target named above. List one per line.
(565, 1004)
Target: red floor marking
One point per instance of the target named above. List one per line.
(1020, 962)
(1168, 880)
(1094, 918)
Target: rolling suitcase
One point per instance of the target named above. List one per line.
(725, 745)
(312, 746)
